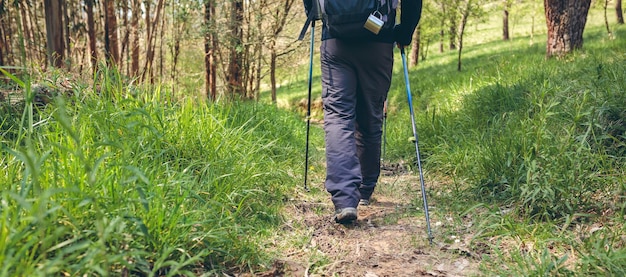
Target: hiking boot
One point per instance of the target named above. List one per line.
(364, 202)
(345, 215)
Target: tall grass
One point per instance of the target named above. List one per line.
(543, 139)
(117, 182)
(545, 135)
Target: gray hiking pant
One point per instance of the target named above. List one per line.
(355, 81)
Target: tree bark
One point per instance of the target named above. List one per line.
(110, 33)
(214, 52)
(452, 31)
(273, 57)
(619, 12)
(566, 21)
(134, 26)
(3, 24)
(236, 48)
(443, 27)
(125, 51)
(505, 21)
(210, 93)
(606, 19)
(91, 33)
(27, 26)
(415, 49)
(67, 34)
(161, 48)
(54, 32)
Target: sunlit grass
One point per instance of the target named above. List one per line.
(121, 183)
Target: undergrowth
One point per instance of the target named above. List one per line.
(115, 181)
(543, 140)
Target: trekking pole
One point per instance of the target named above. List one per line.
(417, 150)
(308, 108)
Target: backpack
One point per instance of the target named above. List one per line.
(351, 19)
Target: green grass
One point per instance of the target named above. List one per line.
(119, 179)
(114, 182)
(543, 138)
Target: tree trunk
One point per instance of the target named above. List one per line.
(214, 52)
(110, 33)
(54, 32)
(208, 6)
(67, 35)
(91, 31)
(150, 46)
(273, 58)
(125, 52)
(3, 24)
(606, 19)
(38, 39)
(236, 48)
(619, 12)
(134, 26)
(505, 21)
(415, 49)
(161, 48)
(443, 27)
(178, 27)
(566, 21)
(452, 31)
(6, 32)
(29, 45)
(465, 16)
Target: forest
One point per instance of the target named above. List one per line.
(166, 138)
(242, 43)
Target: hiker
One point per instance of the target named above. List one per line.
(356, 76)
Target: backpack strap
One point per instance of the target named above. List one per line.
(313, 15)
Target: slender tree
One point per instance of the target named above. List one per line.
(181, 17)
(442, 31)
(215, 50)
(505, 19)
(3, 25)
(467, 8)
(134, 26)
(54, 32)
(415, 48)
(126, 15)
(606, 19)
(619, 12)
(452, 29)
(68, 33)
(235, 80)
(111, 44)
(209, 62)
(152, 26)
(279, 20)
(566, 21)
(91, 33)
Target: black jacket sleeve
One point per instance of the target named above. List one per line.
(410, 14)
(311, 8)
(307, 6)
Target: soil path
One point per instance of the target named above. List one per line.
(388, 239)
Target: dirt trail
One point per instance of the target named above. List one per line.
(388, 239)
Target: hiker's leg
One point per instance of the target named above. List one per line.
(339, 82)
(374, 75)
